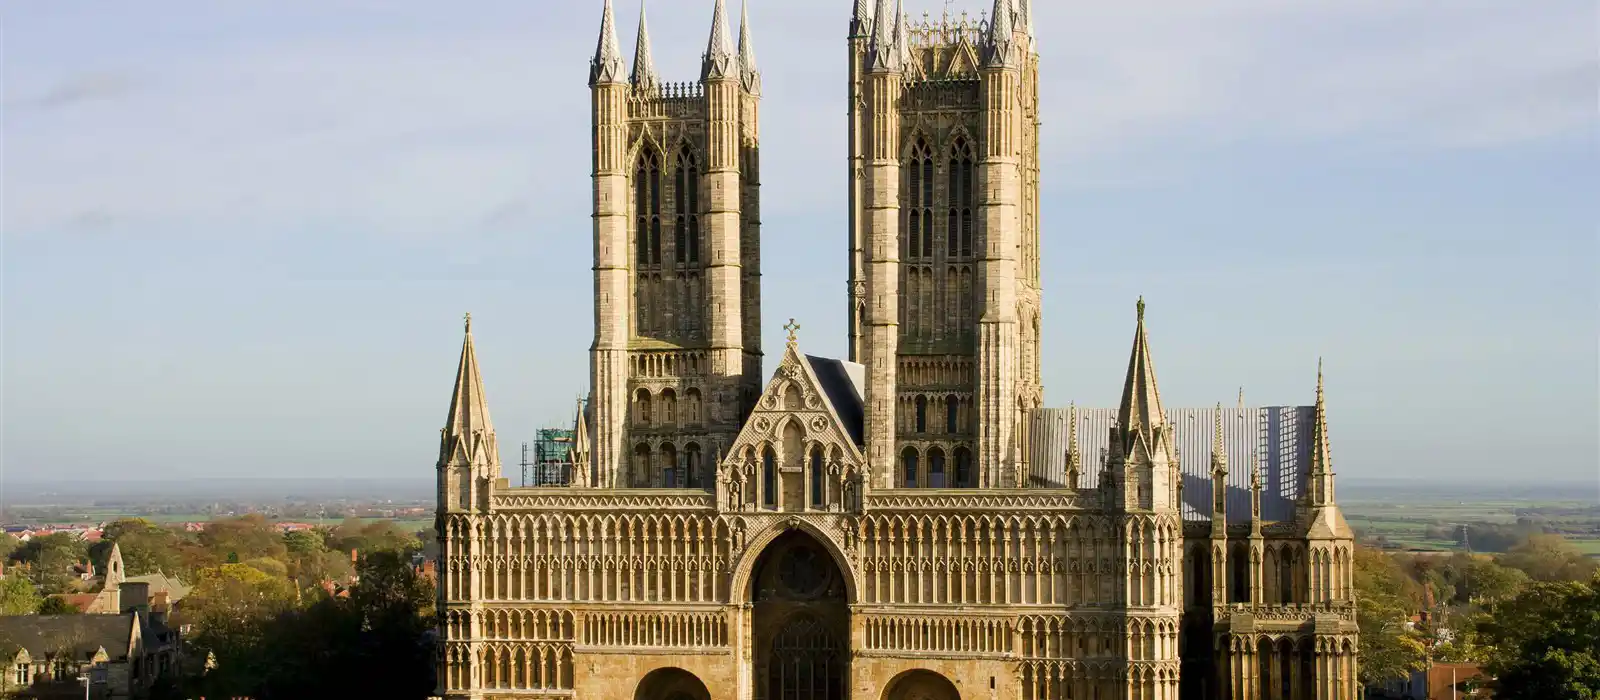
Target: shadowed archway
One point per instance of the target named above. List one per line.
(671, 684)
(920, 684)
(800, 619)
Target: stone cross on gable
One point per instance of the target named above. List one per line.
(791, 326)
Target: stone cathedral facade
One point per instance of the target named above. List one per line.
(909, 523)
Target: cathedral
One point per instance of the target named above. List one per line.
(907, 523)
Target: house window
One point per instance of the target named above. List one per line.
(22, 675)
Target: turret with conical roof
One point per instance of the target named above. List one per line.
(1142, 441)
(718, 62)
(606, 67)
(469, 455)
(645, 79)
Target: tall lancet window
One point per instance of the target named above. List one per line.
(919, 202)
(769, 478)
(686, 238)
(960, 197)
(647, 208)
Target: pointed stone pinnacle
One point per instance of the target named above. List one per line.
(644, 66)
(607, 64)
(749, 75)
(719, 58)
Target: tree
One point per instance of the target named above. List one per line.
(1545, 643)
(55, 605)
(353, 534)
(229, 607)
(1550, 558)
(8, 544)
(1385, 598)
(242, 538)
(51, 558)
(146, 547)
(18, 596)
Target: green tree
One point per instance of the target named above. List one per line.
(242, 538)
(18, 596)
(1545, 643)
(311, 562)
(230, 607)
(57, 606)
(51, 558)
(1385, 599)
(1550, 558)
(146, 547)
(8, 544)
(354, 534)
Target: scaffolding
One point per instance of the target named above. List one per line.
(547, 461)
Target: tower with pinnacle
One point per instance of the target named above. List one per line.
(676, 353)
(944, 243)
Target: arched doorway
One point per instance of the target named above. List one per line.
(800, 620)
(671, 684)
(921, 684)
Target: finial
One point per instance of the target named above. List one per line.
(791, 326)
(1140, 307)
(1319, 380)
(468, 319)
(1241, 397)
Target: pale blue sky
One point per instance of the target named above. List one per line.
(239, 237)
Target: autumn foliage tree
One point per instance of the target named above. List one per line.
(1385, 599)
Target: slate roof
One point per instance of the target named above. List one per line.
(42, 634)
(176, 590)
(845, 384)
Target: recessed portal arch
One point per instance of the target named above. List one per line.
(800, 620)
(671, 684)
(920, 684)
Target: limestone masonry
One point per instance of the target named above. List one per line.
(910, 523)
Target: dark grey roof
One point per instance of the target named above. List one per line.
(85, 634)
(1278, 436)
(844, 383)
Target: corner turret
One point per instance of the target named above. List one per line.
(469, 455)
(607, 65)
(718, 62)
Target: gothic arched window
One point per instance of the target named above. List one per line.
(691, 461)
(950, 404)
(919, 202)
(817, 496)
(960, 198)
(687, 240)
(964, 468)
(647, 207)
(769, 478)
(671, 475)
(641, 404)
(908, 464)
(922, 414)
(936, 468)
(691, 406)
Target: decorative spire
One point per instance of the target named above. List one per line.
(580, 448)
(861, 19)
(749, 75)
(1000, 34)
(719, 58)
(901, 48)
(1074, 451)
(1219, 450)
(883, 55)
(607, 64)
(1321, 476)
(469, 410)
(1140, 411)
(644, 67)
(1025, 17)
(1241, 397)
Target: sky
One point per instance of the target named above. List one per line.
(239, 237)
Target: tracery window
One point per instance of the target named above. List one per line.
(960, 198)
(919, 202)
(647, 207)
(687, 239)
(805, 663)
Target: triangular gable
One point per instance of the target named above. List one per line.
(963, 64)
(813, 405)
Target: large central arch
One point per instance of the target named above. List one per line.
(921, 684)
(800, 621)
(671, 684)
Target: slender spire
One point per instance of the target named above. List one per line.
(1000, 33)
(1074, 451)
(749, 75)
(1219, 450)
(607, 64)
(469, 410)
(644, 67)
(1140, 411)
(861, 18)
(1255, 492)
(1241, 397)
(1321, 481)
(1025, 17)
(580, 448)
(719, 59)
(883, 55)
(902, 48)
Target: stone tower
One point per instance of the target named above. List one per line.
(676, 360)
(944, 243)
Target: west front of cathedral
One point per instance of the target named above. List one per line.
(910, 523)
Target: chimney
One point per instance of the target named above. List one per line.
(353, 558)
(135, 595)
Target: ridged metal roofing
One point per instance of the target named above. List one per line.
(1279, 437)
